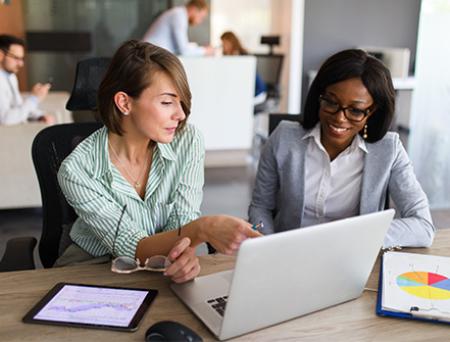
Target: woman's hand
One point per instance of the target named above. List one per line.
(185, 265)
(226, 233)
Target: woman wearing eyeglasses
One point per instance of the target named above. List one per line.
(341, 160)
(136, 184)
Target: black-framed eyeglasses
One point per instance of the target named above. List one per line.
(351, 113)
(13, 56)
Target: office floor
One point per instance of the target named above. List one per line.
(226, 191)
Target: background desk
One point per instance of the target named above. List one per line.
(222, 99)
(222, 105)
(18, 181)
(351, 321)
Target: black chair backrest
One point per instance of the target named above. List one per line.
(50, 147)
(269, 69)
(88, 76)
(275, 119)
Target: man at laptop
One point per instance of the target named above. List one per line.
(341, 161)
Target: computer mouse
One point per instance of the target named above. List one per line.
(171, 331)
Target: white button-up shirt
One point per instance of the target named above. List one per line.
(170, 31)
(14, 109)
(332, 188)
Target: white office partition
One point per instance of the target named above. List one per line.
(222, 99)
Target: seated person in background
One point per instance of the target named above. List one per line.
(14, 109)
(341, 160)
(232, 46)
(148, 159)
(170, 29)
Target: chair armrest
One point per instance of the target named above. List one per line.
(18, 254)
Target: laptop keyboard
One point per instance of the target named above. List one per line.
(218, 304)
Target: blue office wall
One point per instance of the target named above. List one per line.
(333, 25)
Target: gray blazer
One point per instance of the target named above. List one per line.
(278, 196)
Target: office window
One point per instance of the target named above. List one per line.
(107, 23)
(429, 139)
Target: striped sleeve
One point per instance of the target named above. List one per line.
(189, 192)
(101, 213)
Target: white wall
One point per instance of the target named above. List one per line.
(248, 19)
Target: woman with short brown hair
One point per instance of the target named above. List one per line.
(136, 184)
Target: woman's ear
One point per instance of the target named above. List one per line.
(123, 103)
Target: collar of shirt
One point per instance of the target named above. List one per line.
(4, 73)
(315, 134)
(7, 75)
(102, 164)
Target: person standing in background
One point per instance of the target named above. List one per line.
(170, 29)
(14, 109)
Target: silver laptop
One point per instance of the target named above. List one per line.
(289, 274)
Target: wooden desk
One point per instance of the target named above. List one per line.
(351, 321)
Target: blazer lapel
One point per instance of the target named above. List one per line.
(369, 177)
(299, 186)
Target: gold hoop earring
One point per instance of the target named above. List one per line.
(365, 132)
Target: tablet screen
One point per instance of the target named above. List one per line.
(94, 306)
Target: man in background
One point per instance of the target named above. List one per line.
(170, 29)
(14, 109)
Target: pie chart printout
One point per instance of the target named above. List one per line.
(425, 285)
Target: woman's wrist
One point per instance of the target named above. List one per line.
(202, 229)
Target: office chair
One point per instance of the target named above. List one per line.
(18, 255)
(269, 69)
(50, 147)
(83, 99)
(271, 41)
(275, 119)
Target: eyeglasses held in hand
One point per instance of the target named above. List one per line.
(126, 265)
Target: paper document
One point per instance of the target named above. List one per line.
(416, 283)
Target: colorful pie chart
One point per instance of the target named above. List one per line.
(425, 285)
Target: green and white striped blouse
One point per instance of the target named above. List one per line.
(97, 191)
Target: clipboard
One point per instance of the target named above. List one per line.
(395, 314)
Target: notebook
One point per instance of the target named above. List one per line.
(414, 286)
(289, 274)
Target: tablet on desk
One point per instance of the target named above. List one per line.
(92, 306)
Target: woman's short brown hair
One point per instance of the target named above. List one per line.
(131, 70)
